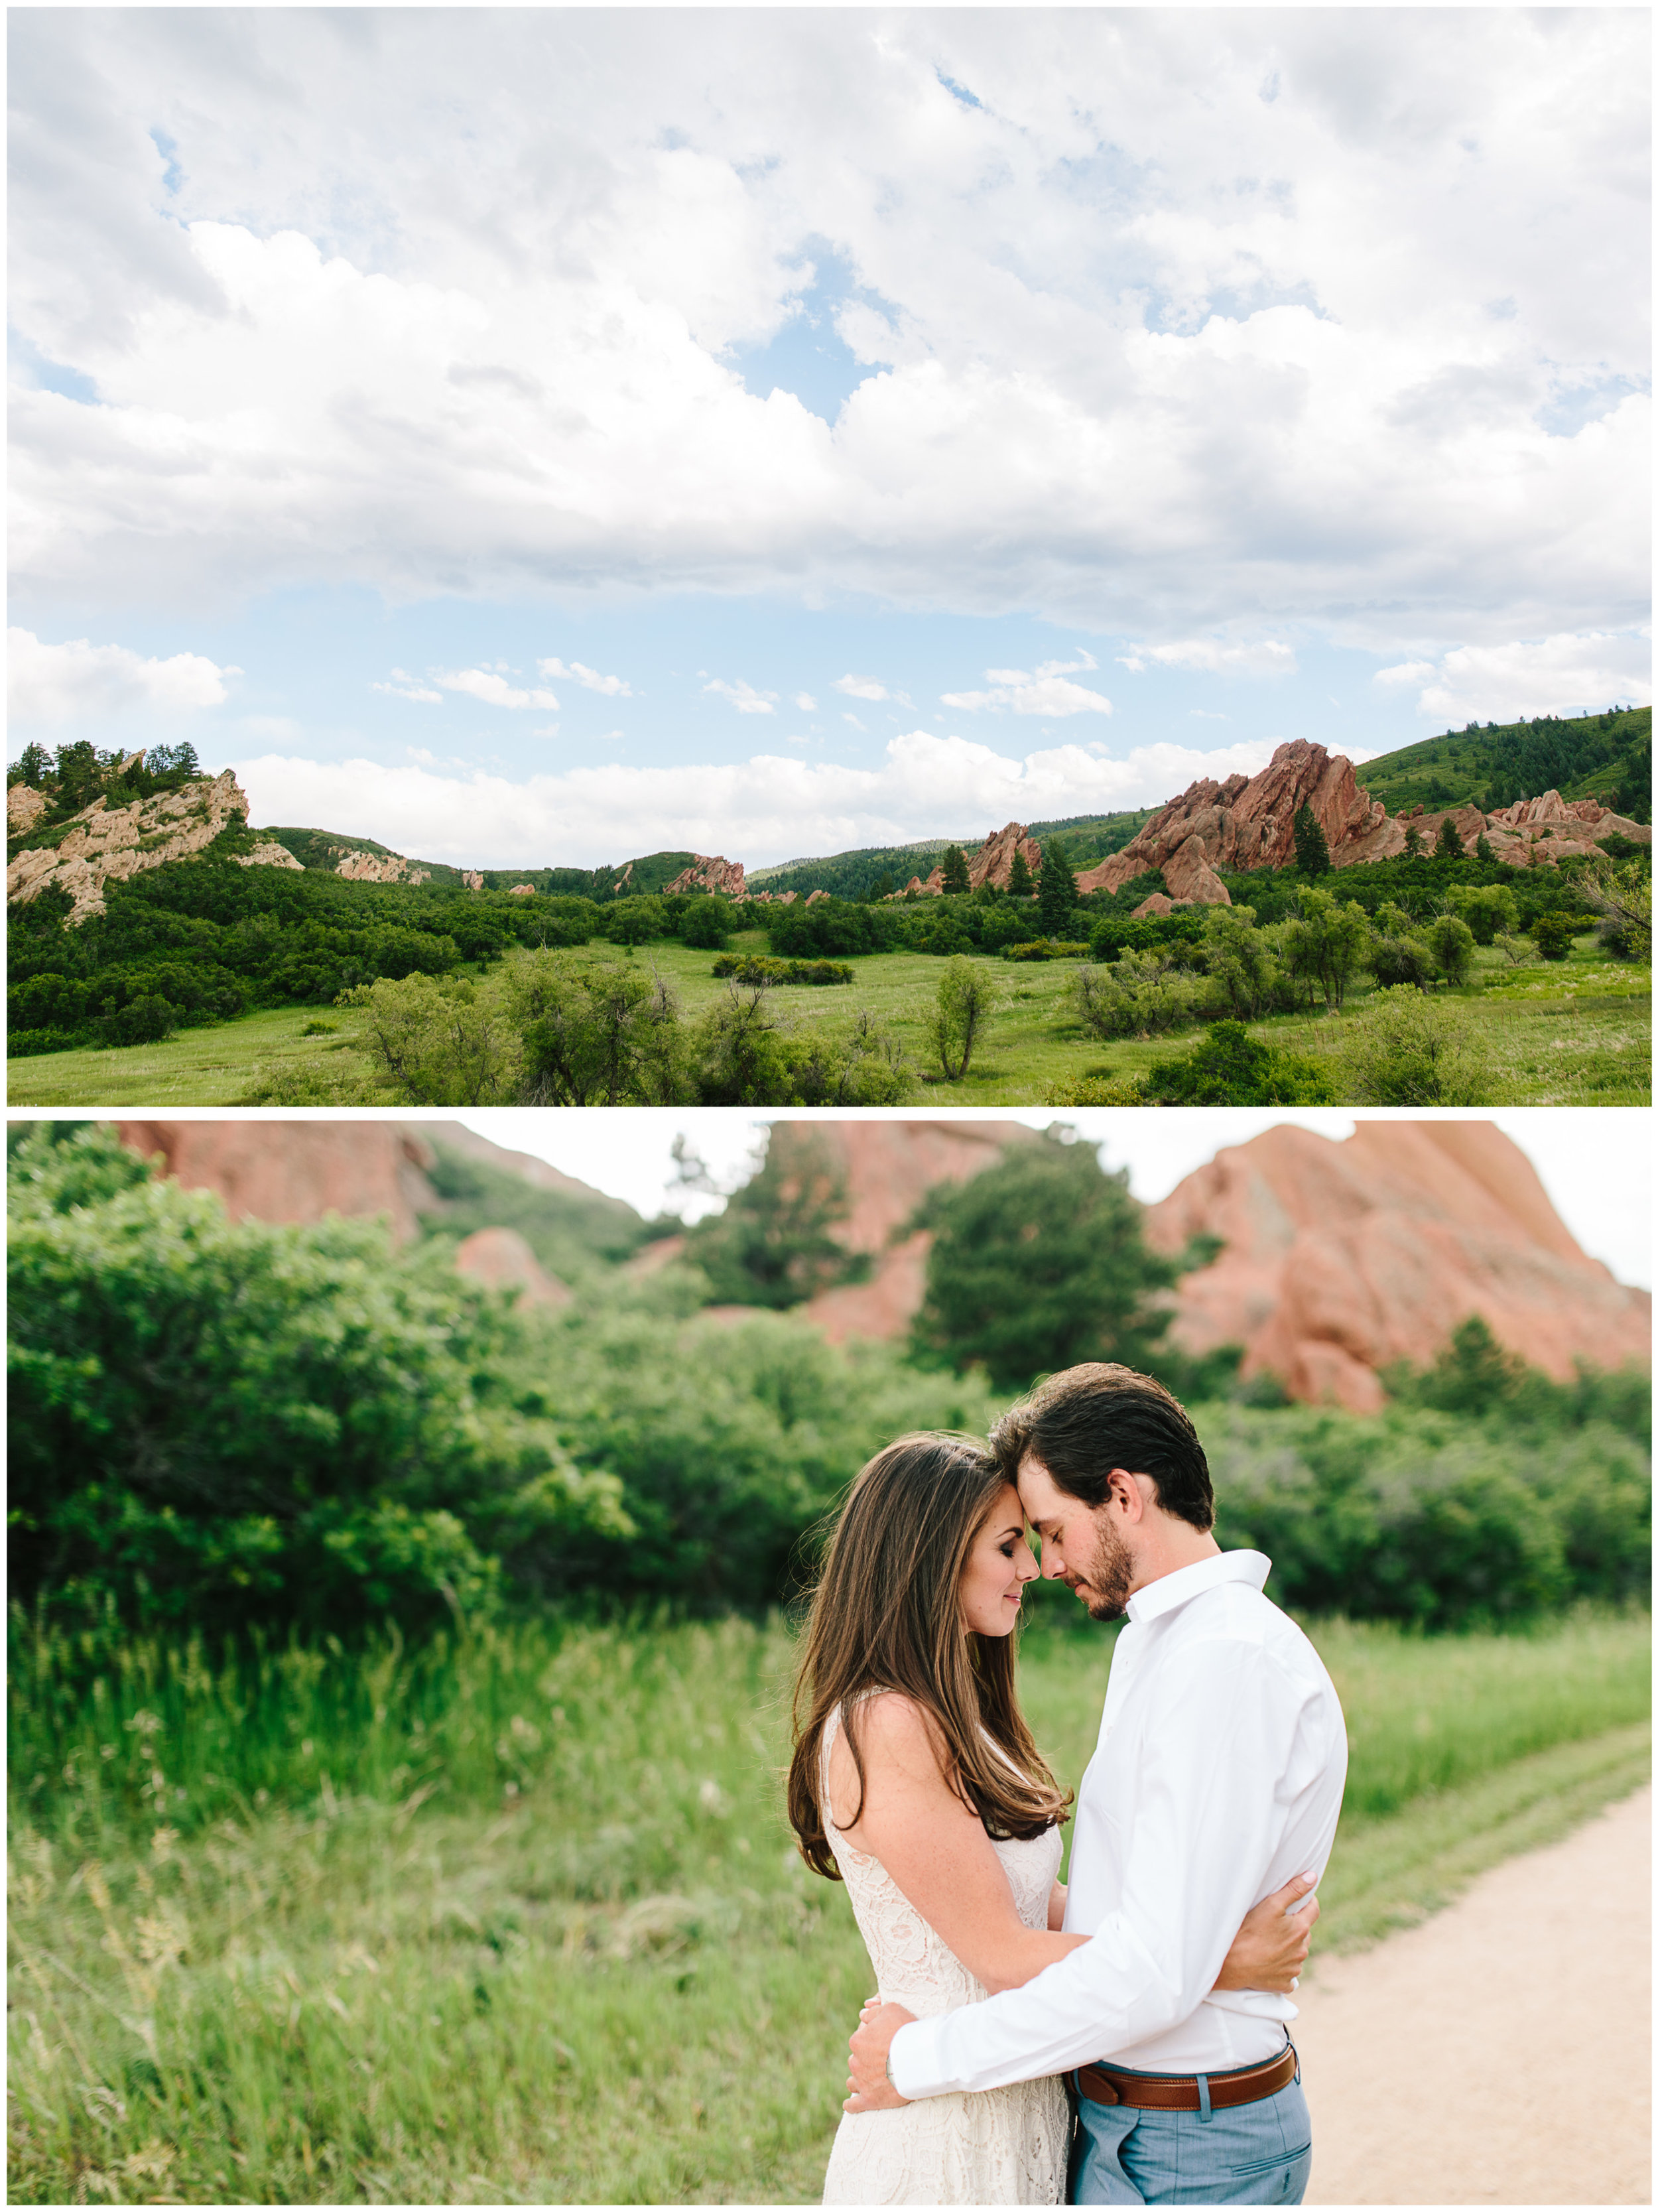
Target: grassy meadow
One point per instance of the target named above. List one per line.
(1567, 1033)
(515, 1919)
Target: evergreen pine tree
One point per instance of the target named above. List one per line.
(1449, 845)
(1312, 851)
(955, 875)
(1058, 890)
(1019, 884)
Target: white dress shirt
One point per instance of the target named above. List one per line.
(1217, 1775)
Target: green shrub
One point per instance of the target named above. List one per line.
(1398, 962)
(961, 1013)
(755, 968)
(705, 923)
(1441, 1520)
(1407, 1049)
(1231, 1068)
(1046, 948)
(1552, 932)
(214, 1423)
(1451, 942)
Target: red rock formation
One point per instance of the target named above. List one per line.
(294, 1171)
(359, 866)
(709, 874)
(992, 863)
(24, 807)
(473, 878)
(103, 843)
(501, 1261)
(1249, 822)
(889, 1166)
(303, 1170)
(521, 891)
(1156, 904)
(1339, 1258)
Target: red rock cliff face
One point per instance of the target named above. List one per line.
(294, 1170)
(304, 1171)
(1249, 822)
(710, 873)
(889, 1167)
(1340, 1258)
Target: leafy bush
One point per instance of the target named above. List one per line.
(1046, 948)
(960, 1015)
(705, 923)
(1231, 1068)
(1144, 994)
(830, 929)
(593, 1032)
(1407, 1049)
(444, 1042)
(754, 968)
(215, 1423)
(1451, 942)
(1552, 933)
(1401, 962)
(1437, 1519)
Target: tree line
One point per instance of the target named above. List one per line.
(222, 1425)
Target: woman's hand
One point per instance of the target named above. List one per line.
(1270, 1949)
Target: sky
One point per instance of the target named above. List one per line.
(535, 437)
(1595, 1162)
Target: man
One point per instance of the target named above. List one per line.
(1218, 1777)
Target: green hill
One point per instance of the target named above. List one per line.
(1606, 757)
(323, 850)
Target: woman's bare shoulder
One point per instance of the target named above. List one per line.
(894, 1728)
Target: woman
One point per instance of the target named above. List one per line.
(915, 1780)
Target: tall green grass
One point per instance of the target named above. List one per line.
(515, 1919)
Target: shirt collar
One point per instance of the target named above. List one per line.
(1169, 1591)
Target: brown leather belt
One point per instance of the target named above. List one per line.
(1179, 2093)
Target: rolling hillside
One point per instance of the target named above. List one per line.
(1606, 757)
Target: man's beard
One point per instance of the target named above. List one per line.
(1110, 1576)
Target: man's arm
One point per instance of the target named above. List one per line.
(1218, 1739)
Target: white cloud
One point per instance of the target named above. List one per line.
(405, 686)
(1260, 657)
(492, 688)
(613, 687)
(1043, 692)
(1567, 674)
(50, 685)
(418, 342)
(743, 697)
(805, 702)
(764, 809)
(860, 687)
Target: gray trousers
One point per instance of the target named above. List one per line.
(1259, 2153)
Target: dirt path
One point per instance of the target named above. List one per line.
(1500, 2053)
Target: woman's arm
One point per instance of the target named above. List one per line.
(934, 1846)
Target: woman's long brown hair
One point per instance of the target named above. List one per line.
(886, 1615)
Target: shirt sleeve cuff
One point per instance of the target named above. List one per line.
(912, 2060)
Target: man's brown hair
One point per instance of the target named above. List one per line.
(1083, 1422)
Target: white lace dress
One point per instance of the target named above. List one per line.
(998, 2147)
